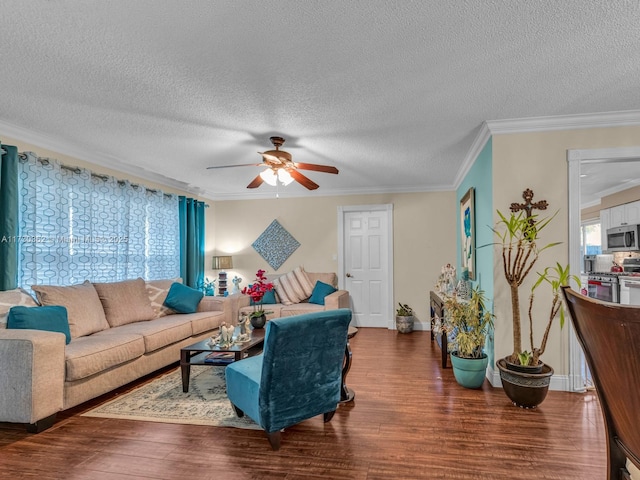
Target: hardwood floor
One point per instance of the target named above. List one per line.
(409, 420)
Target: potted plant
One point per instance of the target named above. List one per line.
(404, 318)
(524, 376)
(467, 323)
(257, 291)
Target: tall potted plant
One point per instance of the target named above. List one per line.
(467, 323)
(524, 376)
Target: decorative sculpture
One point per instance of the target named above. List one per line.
(226, 335)
(236, 282)
(528, 205)
(245, 325)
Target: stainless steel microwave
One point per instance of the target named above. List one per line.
(623, 239)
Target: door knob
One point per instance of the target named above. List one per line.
(348, 275)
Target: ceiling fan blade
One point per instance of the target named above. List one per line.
(304, 181)
(316, 168)
(232, 166)
(256, 182)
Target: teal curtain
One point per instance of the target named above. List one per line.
(191, 241)
(8, 218)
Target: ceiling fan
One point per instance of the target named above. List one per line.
(280, 168)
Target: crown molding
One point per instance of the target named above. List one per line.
(284, 192)
(91, 157)
(478, 144)
(564, 122)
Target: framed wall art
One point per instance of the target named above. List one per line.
(467, 234)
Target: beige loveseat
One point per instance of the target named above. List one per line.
(120, 332)
(293, 291)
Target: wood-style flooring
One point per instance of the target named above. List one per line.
(409, 420)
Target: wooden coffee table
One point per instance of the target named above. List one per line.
(195, 354)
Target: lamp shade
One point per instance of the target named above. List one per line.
(222, 262)
(269, 177)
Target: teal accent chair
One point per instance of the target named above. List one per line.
(297, 376)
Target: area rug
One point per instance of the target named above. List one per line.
(162, 400)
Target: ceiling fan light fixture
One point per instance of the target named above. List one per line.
(284, 177)
(269, 176)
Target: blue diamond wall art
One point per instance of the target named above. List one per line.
(275, 245)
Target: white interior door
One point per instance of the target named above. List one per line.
(366, 263)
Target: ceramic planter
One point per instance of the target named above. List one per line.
(469, 372)
(404, 324)
(526, 390)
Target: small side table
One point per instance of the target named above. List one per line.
(346, 394)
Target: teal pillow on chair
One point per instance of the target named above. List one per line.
(321, 290)
(50, 318)
(183, 299)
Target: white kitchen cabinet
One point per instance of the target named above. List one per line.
(632, 213)
(617, 216)
(625, 214)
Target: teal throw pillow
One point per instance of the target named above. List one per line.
(183, 299)
(51, 318)
(269, 298)
(321, 290)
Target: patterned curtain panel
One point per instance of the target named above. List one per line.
(191, 241)
(77, 226)
(8, 217)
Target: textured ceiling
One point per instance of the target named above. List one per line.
(393, 93)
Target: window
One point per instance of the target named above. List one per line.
(590, 239)
(78, 226)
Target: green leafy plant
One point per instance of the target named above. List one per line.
(404, 310)
(518, 235)
(554, 277)
(468, 322)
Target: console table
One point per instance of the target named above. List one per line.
(437, 332)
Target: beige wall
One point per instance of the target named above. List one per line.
(539, 161)
(424, 237)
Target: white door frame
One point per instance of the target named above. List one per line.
(388, 208)
(575, 158)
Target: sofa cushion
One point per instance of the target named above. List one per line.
(300, 309)
(329, 278)
(52, 319)
(86, 356)
(12, 298)
(293, 287)
(125, 302)
(183, 299)
(320, 291)
(204, 321)
(84, 309)
(157, 333)
(157, 291)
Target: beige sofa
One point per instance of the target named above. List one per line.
(298, 303)
(119, 333)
